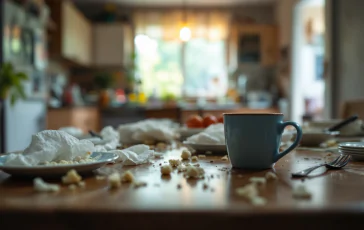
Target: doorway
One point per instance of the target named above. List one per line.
(308, 84)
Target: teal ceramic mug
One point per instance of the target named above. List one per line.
(253, 140)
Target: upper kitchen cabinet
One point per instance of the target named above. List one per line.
(72, 39)
(112, 44)
(254, 44)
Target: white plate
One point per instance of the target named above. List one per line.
(359, 151)
(204, 148)
(352, 145)
(354, 157)
(187, 132)
(56, 170)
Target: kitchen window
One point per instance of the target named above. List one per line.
(167, 66)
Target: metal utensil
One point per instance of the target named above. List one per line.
(342, 124)
(338, 163)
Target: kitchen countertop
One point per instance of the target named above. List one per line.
(337, 199)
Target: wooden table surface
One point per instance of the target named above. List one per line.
(337, 199)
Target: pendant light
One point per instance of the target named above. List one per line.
(185, 32)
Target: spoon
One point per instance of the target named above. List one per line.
(341, 124)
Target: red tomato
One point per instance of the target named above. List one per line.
(194, 121)
(209, 120)
(221, 119)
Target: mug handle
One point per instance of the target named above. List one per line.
(295, 143)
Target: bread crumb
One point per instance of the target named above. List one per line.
(40, 185)
(196, 165)
(158, 155)
(208, 152)
(114, 180)
(72, 187)
(205, 186)
(179, 186)
(258, 180)
(329, 154)
(225, 158)
(201, 156)
(181, 168)
(161, 146)
(248, 191)
(149, 142)
(195, 172)
(301, 192)
(71, 177)
(258, 201)
(100, 177)
(81, 184)
(185, 154)
(174, 162)
(127, 177)
(194, 158)
(187, 164)
(166, 170)
(139, 184)
(271, 176)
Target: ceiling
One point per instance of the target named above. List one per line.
(181, 2)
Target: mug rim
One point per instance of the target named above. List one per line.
(253, 114)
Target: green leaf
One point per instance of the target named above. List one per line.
(13, 98)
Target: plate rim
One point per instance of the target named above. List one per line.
(45, 167)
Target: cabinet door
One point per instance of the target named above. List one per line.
(84, 34)
(269, 45)
(108, 44)
(70, 39)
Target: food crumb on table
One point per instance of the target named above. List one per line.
(301, 192)
(271, 176)
(71, 177)
(195, 172)
(114, 180)
(139, 184)
(186, 154)
(181, 168)
(40, 185)
(258, 180)
(166, 169)
(201, 156)
(127, 177)
(194, 158)
(175, 162)
(225, 158)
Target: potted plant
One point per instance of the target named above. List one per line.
(11, 84)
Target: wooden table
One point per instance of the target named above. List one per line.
(337, 201)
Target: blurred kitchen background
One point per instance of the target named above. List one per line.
(96, 63)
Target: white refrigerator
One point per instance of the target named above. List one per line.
(24, 45)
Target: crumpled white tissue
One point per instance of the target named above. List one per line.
(213, 135)
(50, 145)
(148, 130)
(135, 155)
(110, 138)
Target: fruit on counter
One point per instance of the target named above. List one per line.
(209, 120)
(195, 121)
(220, 119)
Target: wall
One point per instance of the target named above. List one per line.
(349, 52)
